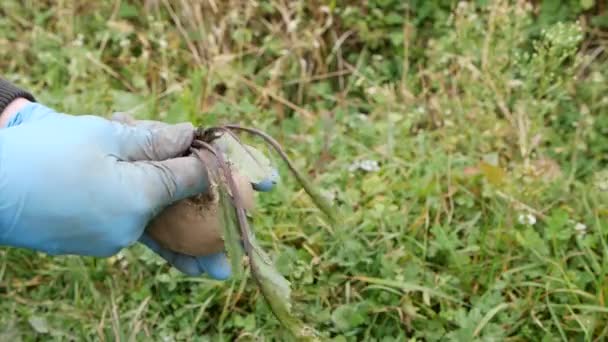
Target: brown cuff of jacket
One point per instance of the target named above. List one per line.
(9, 92)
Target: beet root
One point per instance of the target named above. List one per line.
(193, 226)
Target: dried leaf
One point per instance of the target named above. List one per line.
(121, 26)
(493, 174)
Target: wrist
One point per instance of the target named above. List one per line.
(12, 99)
(15, 106)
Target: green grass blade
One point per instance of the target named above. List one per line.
(407, 287)
(488, 317)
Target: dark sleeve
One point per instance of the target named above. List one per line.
(9, 92)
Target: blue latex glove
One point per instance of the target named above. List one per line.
(88, 186)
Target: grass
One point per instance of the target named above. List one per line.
(486, 218)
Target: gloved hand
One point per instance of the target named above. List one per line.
(215, 264)
(88, 186)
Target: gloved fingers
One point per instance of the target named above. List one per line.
(164, 182)
(128, 119)
(157, 142)
(215, 265)
(264, 185)
(268, 183)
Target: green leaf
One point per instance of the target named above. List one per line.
(532, 240)
(587, 4)
(232, 238)
(248, 323)
(249, 161)
(349, 316)
(128, 11)
(39, 324)
(394, 18)
(558, 226)
(274, 287)
(277, 292)
(600, 20)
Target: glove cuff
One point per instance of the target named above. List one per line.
(9, 92)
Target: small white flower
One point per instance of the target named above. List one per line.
(162, 44)
(79, 41)
(515, 83)
(365, 165)
(580, 227)
(370, 165)
(527, 219)
(125, 42)
(601, 180)
(330, 195)
(292, 25)
(362, 117)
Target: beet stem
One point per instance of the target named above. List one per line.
(321, 202)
